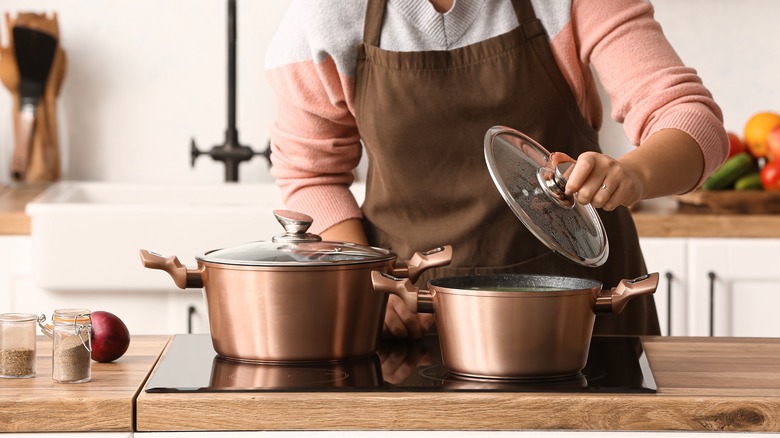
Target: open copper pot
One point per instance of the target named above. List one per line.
(294, 298)
(515, 326)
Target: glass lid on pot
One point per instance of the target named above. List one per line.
(296, 247)
(522, 171)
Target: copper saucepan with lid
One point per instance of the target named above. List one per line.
(520, 326)
(515, 326)
(294, 298)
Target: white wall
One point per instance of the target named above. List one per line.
(145, 76)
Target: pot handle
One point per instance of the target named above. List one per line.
(615, 300)
(422, 261)
(183, 277)
(416, 300)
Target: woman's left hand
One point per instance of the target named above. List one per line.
(601, 180)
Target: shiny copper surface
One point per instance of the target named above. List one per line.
(364, 373)
(293, 313)
(496, 334)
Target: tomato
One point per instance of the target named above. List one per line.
(735, 144)
(770, 176)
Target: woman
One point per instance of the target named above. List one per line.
(427, 80)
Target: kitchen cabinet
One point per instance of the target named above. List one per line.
(668, 257)
(145, 312)
(735, 286)
(718, 286)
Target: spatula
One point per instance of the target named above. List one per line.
(34, 51)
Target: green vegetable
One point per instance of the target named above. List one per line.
(729, 172)
(751, 181)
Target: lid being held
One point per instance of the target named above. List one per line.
(522, 171)
(296, 247)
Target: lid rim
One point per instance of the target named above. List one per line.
(275, 264)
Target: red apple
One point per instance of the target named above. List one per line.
(735, 144)
(773, 144)
(110, 337)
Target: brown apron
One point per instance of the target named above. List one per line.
(422, 117)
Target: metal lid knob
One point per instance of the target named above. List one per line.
(295, 226)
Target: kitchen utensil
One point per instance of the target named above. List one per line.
(294, 298)
(45, 161)
(34, 51)
(9, 73)
(522, 171)
(514, 326)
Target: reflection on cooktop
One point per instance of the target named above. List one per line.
(616, 364)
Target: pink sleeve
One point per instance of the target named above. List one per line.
(314, 141)
(649, 86)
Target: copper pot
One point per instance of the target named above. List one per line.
(515, 326)
(294, 298)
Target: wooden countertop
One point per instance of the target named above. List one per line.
(104, 404)
(654, 218)
(13, 199)
(704, 384)
(663, 218)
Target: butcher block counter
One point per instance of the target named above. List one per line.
(703, 384)
(107, 403)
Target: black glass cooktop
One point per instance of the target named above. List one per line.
(616, 364)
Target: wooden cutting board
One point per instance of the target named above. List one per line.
(730, 202)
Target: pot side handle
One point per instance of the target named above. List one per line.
(416, 300)
(183, 277)
(615, 300)
(422, 261)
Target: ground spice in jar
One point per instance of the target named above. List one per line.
(17, 362)
(71, 360)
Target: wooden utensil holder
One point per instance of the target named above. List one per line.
(44, 162)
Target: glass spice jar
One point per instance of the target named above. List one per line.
(17, 345)
(71, 333)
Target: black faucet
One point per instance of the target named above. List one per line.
(231, 152)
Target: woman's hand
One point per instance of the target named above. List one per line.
(601, 180)
(669, 162)
(400, 322)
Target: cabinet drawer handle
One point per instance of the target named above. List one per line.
(712, 277)
(669, 278)
(190, 311)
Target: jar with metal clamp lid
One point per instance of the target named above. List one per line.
(17, 345)
(71, 333)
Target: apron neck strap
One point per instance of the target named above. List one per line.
(524, 11)
(372, 27)
(375, 12)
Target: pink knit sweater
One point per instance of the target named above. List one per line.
(311, 67)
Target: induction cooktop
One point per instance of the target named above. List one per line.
(616, 364)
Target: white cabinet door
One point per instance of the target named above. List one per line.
(668, 257)
(735, 285)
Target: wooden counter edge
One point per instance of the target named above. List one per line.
(455, 411)
(105, 404)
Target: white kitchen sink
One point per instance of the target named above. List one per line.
(86, 236)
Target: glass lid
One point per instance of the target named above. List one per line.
(522, 171)
(296, 247)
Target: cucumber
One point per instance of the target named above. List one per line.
(751, 181)
(729, 172)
